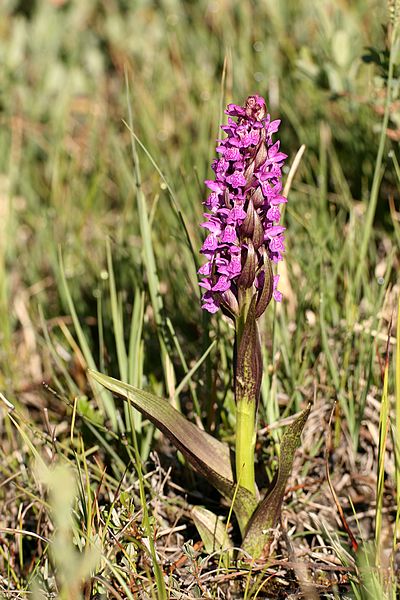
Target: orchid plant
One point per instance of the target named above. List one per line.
(244, 240)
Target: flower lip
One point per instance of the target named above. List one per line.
(236, 180)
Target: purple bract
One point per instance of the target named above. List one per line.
(243, 206)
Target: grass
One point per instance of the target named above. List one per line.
(109, 114)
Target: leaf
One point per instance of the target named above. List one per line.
(212, 530)
(205, 453)
(259, 533)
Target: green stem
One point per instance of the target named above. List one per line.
(245, 418)
(245, 443)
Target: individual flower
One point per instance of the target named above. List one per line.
(243, 211)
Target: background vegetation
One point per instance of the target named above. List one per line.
(109, 112)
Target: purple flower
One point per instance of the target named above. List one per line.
(210, 303)
(236, 180)
(243, 230)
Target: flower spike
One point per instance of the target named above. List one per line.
(242, 222)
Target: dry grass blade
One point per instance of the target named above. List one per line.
(384, 420)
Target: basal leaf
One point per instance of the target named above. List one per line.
(205, 453)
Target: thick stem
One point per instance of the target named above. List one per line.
(245, 443)
(246, 407)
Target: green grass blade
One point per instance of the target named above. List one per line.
(118, 329)
(379, 170)
(135, 364)
(193, 370)
(57, 360)
(174, 200)
(149, 259)
(135, 354)
(106, 399)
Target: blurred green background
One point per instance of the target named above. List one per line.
(65, 158)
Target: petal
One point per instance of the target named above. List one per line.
(277, 295)
(209, 303)
(213, 202)
(273, 214)
(232, 154)
(204, 283)
(214, 186)
(236, 214)
(235, 266)
(251, 139)
(273, 231)
(236, 180)
(210, 243)
(205, 269)
(277, 200)
(274, 126)
(213, 225)
(272, 150)
(229, 235)
(235, 110)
